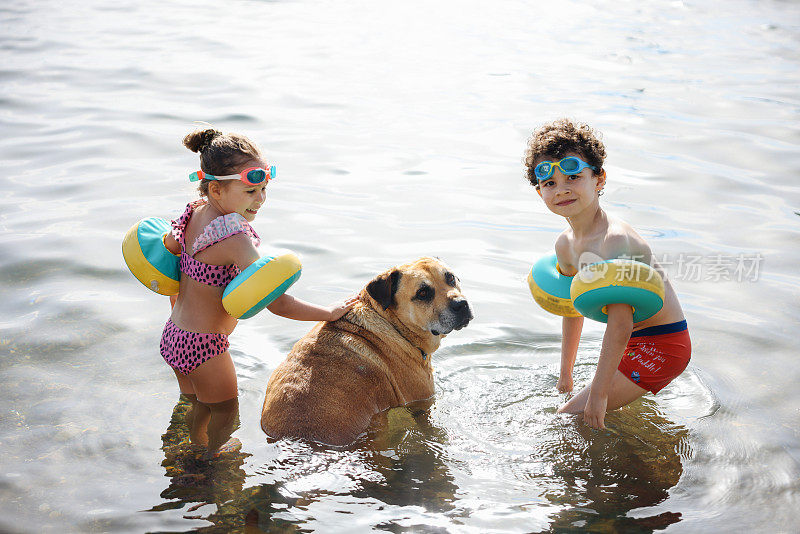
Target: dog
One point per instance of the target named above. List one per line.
(377, 356)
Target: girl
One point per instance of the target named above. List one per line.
(564, 162)
(215, 242)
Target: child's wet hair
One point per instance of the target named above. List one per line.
(558, 138)
(220, 154)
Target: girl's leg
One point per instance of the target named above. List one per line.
(214, 382)
(623, 392)
(198, 415)
(224, 420)
(183, 382)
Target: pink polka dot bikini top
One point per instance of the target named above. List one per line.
(220, 228)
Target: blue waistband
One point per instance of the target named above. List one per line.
(661, 329)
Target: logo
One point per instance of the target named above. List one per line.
(635, 376)
(592, 267)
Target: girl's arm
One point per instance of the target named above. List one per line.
(618, 332)
(300, 310)
(173, 246)
(240, 249)
(244, 253)
(571, 328)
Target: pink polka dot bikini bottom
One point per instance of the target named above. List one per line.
(185, 351)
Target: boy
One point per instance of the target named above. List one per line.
(564, 161)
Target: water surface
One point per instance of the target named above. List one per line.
(398, 131)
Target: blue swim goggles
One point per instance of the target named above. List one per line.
(570, 165)
(251, 176)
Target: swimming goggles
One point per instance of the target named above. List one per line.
(570, 165)
(251, 176)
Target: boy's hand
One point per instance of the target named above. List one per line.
(594, 413)
(339, 309)
(564, 384)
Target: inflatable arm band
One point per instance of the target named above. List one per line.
(617, 281)
(550, 288)
(260, 284)
(595, 286)
(148, 257)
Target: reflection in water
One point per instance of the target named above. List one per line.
(398, 464)
(550, 472)
(197, 481)
(402, 475)
(409, 453)
(600, 476)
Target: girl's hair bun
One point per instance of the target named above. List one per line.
(199, 140)
(220, 153)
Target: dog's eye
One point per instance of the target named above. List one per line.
(424, 293)
(450, 279)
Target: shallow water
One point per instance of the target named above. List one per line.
(398, 131)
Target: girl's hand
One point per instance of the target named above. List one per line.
(594, 413)
(564, 383)
(339, 309)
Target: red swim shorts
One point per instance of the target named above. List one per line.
(656, 355)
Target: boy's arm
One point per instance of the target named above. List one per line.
(571, 327)
(618, 332)
(570, 337)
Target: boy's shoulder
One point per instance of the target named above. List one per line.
(563, 243)
(565, 252)
(622, 240)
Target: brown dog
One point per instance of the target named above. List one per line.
(376, 357)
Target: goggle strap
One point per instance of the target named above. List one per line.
(200, 175)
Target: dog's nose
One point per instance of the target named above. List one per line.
(459, 304)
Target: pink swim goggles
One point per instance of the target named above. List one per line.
(251, 176)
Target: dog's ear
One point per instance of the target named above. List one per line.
(383, 287)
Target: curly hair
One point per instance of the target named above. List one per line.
(220, 154)
(555, 139)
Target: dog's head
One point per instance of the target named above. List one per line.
(424, 295)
